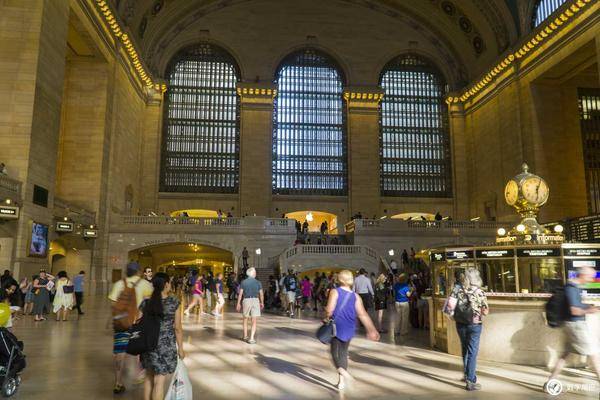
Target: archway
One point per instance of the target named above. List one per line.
(179, 257)
(315, 219)
(416, 216)
(70, 253)
(195, 213)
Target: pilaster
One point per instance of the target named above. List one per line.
(362, 105)
(256, 126)
(460, 161)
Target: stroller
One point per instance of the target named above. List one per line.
(12, 362)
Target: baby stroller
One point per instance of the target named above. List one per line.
(12, 362)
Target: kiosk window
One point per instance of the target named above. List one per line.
(499, 275)
(540, 275)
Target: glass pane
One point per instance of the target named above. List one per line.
(201, 125)
(414, 139)
(539, 275)
(309, 137)
(500, 275)
(544, 8)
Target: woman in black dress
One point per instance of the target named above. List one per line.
(41, 296)
(163, 360)
(381, 292)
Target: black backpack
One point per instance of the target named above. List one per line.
(290, 284)
(463, 313)
(143, 335)
(556, 308)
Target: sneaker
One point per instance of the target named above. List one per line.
(470, 386)
(186, 313)
(291, 315)
(251, 341)
(118, 389)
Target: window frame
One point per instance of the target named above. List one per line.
(218, 55)
(445, 163)
(291, 60)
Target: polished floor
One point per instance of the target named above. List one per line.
(72, 360)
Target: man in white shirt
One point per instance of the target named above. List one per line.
(364, 288)
(143, 290)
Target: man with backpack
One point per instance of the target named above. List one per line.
(126, 296)
(291, 286)
(580, 339)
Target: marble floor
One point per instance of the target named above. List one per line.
(72, 360)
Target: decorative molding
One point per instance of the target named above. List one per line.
(112, 25)
(363, 94)
(256, 93)
(536, 38)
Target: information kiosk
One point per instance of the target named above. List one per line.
(519, 273)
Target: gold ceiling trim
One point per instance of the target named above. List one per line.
(376, 97)
(111, 22)
(542, 34)
(256, 91)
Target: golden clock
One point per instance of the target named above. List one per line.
(511, 192)
(535, 191)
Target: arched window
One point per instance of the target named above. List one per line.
(544, 8)
(200, 150)
(309, 130)
(414, 139)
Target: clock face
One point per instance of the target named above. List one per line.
(535, 190)
(511, 192)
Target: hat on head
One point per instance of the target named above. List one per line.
(133, 266)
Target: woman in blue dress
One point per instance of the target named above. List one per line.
(344, 306)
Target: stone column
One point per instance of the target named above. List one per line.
(362, 105)
(460, 163)
(256, 132)
(34, 41)
(598, 54)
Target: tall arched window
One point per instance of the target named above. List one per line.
(544, 8)
(309, 130)
(414, 139)
(200, 150)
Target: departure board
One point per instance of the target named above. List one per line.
(584, 229)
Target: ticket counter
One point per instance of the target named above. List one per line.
(518, 281)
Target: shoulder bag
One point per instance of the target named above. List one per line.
(328, 330)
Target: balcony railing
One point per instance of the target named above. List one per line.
(330, 250)
(11, 185)
(404, 225)
(277, 225)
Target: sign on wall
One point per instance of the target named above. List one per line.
(9, 212)
(64, 227)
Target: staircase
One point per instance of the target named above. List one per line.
(308, 257)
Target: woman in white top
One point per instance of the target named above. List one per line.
(64, 298)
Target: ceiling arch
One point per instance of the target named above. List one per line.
(467, 34)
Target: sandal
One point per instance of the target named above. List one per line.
(118, 389)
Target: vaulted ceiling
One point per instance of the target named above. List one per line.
(467, 34)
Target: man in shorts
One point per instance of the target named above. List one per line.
(291, 285)
(579, 336)
(251, 301)
(143, 290)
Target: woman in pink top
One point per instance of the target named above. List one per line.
(198, 294)
(307, 287)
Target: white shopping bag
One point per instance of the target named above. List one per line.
(180, 387)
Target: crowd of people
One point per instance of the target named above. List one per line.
(349, 300)
(44, 294)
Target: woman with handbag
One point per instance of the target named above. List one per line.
(343, 307)
(41, 298)
(64, 298)
(162, 361)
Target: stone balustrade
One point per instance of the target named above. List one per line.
(165, 223)
(10, 186)
(399, 226)
(306, 257)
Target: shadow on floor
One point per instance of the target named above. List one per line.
(294, 331)
(281, 366)
(447, 366)
(362, 359)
